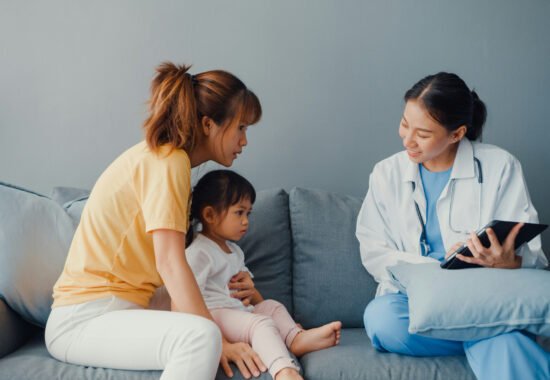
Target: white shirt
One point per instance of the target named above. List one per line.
(388, 228)
(213, 269)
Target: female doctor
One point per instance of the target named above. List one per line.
(425, 201)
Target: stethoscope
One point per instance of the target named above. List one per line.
(424, 246)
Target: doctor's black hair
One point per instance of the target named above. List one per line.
(219, 189)
(450, 102)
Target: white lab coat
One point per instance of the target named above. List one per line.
(388, 228)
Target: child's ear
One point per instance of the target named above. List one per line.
(209, 215)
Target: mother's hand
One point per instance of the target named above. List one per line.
(246, 359)
(496, 255)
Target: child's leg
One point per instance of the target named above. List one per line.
(284, 322)
(299, 341)
(260, 332)
(113, 333)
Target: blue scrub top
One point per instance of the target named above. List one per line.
(433, 183)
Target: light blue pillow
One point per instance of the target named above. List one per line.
(35, 234)
(473, 304)
(74, 209)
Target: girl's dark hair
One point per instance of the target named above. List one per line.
(219, 189)
(179, 100)
(450, 102)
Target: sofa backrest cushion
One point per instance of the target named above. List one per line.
(267, 245)
(74, 209)
(64, 194)
(329, 281)
(35, 235)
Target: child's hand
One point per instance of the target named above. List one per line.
(244, 286)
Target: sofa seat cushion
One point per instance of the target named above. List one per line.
(33, 362)
(355, 359)
(330, 282)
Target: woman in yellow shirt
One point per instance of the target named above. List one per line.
(131, 239)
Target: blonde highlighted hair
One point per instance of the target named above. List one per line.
(179, 101)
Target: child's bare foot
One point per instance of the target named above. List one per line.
(316, 339)
(288, 374)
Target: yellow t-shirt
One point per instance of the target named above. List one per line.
(112, 250)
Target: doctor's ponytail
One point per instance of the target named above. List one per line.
(450, 102)
(479, 114)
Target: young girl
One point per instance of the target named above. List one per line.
(222, 202)
(424, 200)
(132, 234)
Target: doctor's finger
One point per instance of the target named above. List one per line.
(493, 238)
(470, 260)
(453, 249)
(475, 252)
(477, 244)
(512, 235)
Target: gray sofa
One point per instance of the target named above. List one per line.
(302, 249)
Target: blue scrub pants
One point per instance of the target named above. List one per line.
(510, 356)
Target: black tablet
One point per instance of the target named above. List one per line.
(501, 228)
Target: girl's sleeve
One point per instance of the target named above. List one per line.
(514, 203)
(376, 244)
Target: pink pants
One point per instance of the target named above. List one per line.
(269, 329)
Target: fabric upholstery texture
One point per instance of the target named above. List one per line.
(356, 359)
(34, 240)
(63, 194)
(353, 359)
(330, 282)
(267, 246)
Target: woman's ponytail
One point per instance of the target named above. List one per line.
(173, 111)
(479, 115)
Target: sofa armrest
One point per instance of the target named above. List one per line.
(13, 330)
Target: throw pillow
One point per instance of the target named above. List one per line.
(473, 304)
(35, 234)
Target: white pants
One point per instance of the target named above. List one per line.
(114, 333)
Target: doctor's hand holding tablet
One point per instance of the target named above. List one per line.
(484, 248)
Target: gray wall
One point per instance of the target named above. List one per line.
(74, 78)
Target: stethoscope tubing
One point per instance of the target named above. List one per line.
(425, 247)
